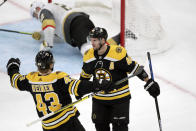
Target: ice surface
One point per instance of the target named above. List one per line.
(174, 70)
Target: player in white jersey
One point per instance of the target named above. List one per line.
(58, 20)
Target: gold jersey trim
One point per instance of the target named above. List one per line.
(48, 22)
(15, 78)
(70, 86)
(34, 77)
(62, 118)
(85, 75)
(73, 87)
(123, 88)
(76, 88)
(112, 98)
(116, 94)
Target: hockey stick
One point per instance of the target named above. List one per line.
(13, 31)
(156, 100)
(138, 71)
(2, 2)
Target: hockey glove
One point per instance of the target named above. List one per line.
(36, 35)
(110, 87)
(13, 66)
(152, 87)
(101, 84)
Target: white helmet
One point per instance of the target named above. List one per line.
(34, 5)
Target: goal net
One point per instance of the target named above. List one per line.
(142, 30)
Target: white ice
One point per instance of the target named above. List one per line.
(174, 71)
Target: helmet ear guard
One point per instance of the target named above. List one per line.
(44, 59)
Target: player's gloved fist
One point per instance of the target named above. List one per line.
(101, 84)
(110, 87)
(13, 65)
(36, 36)
(152, 87)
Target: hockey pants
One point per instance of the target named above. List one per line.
(117, 115)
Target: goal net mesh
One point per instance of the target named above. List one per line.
(143, 29)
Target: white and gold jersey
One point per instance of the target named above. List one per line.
(60, 17)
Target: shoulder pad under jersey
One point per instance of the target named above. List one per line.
(116, 53)
(34, 77)
(61, 74)
(31, 75)
(88, 56)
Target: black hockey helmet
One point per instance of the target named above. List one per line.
(43, 59)
(98, 32)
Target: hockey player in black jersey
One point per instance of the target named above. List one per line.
(111, 62)
(51, 91)
(60, 21)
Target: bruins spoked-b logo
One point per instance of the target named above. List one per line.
(103, 74)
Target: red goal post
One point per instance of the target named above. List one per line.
(135, 17)
(122, 21)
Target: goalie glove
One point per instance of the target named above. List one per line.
(152, 87)
(36, 35)
(13, 66)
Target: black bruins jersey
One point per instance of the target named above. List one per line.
(50, 93)
(113, 65)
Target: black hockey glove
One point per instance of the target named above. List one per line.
(101, 84)
(13, 66)
(110, 87)
(152, 87)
